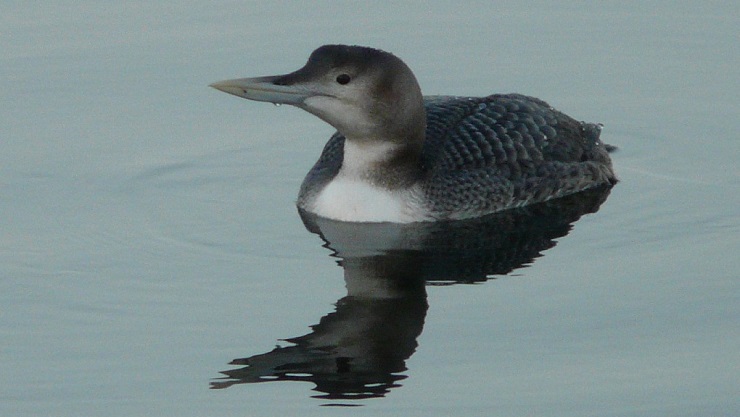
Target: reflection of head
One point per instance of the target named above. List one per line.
(355, 352)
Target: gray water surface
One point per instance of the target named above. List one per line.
(148, 233)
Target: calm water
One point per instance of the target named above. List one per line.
(151, 257)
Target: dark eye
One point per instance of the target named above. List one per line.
(343, 79)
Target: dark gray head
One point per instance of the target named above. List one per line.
(366, 94)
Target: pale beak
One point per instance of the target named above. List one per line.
(265, 89)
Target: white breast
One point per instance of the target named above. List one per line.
(351, 200)
(350, 197)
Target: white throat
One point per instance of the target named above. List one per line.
(361, 158)
(351, 196)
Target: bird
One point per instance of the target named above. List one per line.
(401, 157)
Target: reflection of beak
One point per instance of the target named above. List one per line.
(264, 89)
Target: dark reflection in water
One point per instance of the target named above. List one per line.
(360, 350)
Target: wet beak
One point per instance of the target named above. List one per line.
(264, 89)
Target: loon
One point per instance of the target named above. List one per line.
(402, 157)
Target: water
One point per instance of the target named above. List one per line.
(148, 234)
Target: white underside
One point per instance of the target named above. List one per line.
(350, 200)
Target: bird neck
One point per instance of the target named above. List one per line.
(382, 163)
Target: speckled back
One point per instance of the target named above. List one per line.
(491, 153)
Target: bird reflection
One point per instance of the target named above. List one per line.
(360, 349)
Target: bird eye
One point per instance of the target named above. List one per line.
(343, 79)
